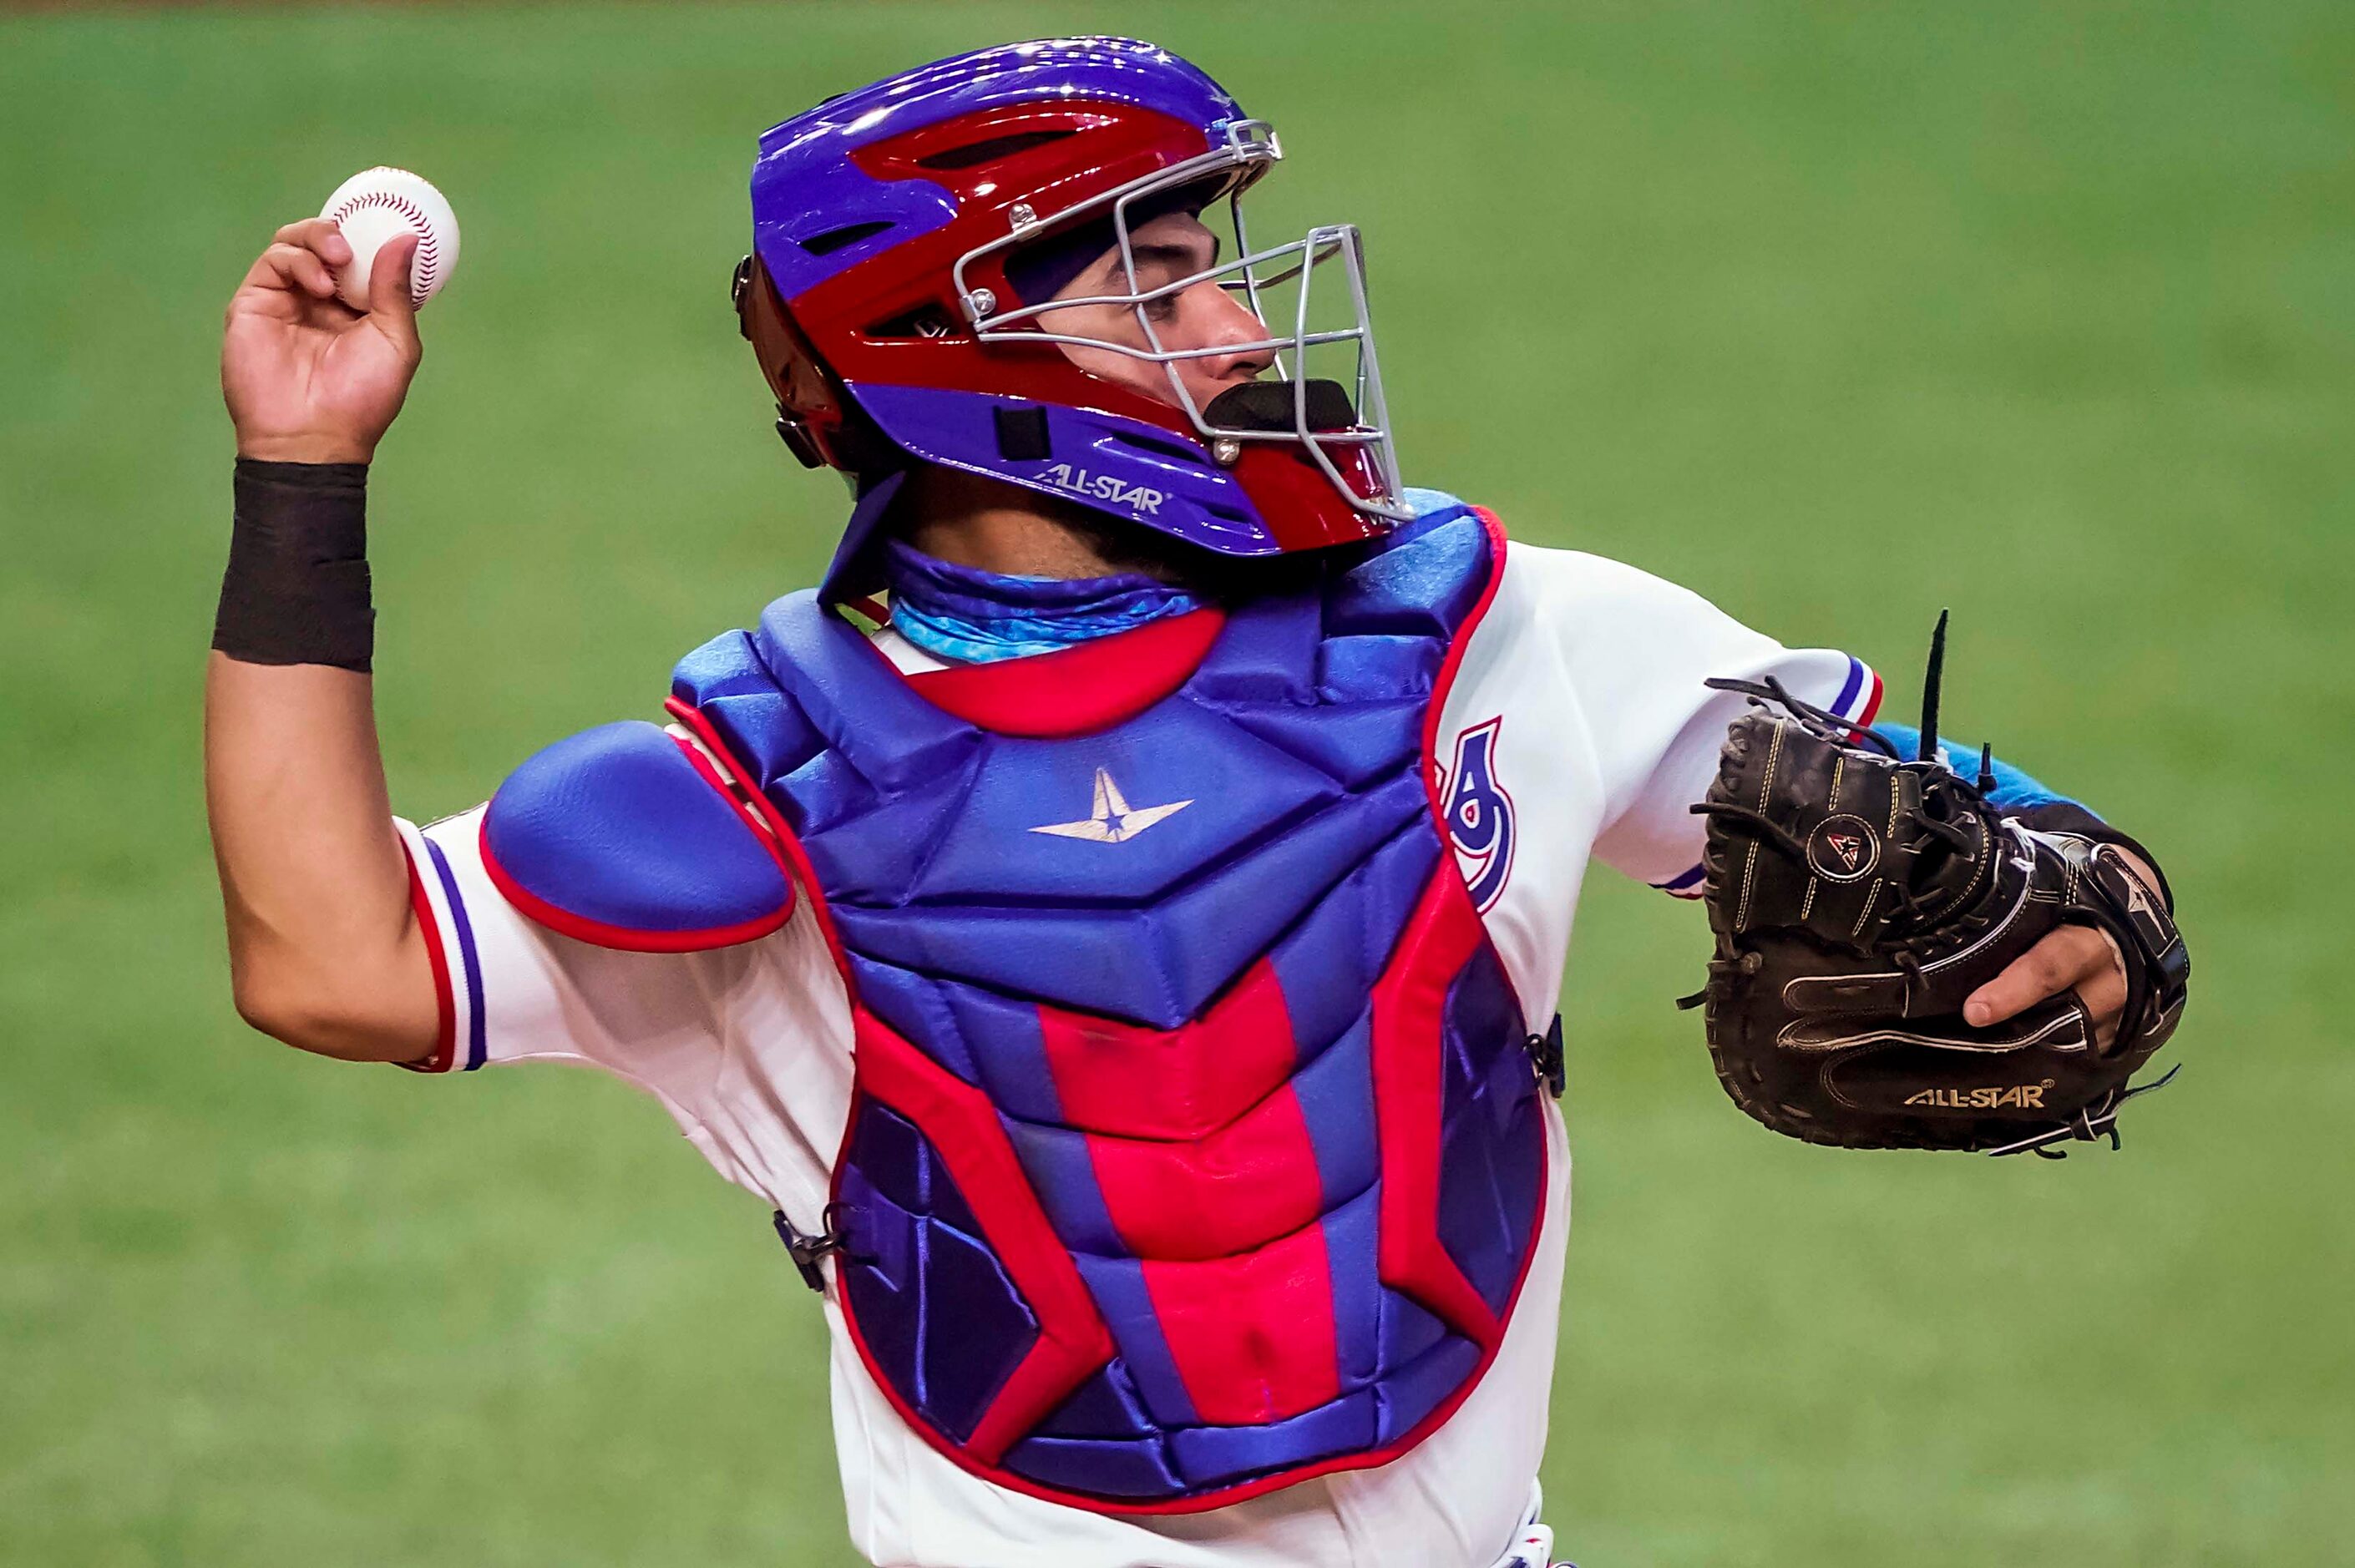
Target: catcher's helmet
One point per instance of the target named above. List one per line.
(885, 297)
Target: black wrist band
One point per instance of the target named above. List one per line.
(297, 591)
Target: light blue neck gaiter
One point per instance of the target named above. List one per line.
(975, 617)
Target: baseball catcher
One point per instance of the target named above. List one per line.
(1113, 921)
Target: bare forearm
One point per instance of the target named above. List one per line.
(325, 951)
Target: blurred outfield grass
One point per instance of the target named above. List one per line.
(1836, 313)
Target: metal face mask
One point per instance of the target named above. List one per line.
(1326, 400)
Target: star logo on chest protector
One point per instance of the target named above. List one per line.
(1113, 818)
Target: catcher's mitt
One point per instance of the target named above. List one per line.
(1859, 896)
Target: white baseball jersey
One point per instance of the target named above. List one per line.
(1577, 728)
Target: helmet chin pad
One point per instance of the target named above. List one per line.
(1270, 406)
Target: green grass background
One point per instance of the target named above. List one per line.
(1837, 313)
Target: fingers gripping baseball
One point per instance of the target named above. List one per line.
(308, 379)
(321, 341)
(293, 265)
(392, 308)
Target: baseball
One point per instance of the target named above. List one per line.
(376, 204)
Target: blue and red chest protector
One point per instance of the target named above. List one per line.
(1194, 1148)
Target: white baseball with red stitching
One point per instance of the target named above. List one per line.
(376, 204)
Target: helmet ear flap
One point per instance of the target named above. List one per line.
(817, 418)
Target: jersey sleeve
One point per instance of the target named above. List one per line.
(1636, 650)
(511, 989)
(747, 1046)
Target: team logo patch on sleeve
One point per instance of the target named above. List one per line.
(1479, 813)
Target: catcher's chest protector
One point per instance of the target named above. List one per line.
(1194, 1149)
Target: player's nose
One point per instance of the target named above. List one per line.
(1222, 320)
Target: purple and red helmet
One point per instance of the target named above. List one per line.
(896, 234)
